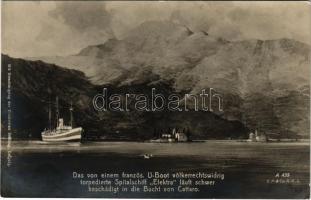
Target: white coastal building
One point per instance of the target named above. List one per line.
(174, 136)
(255, 137)
(180, 136)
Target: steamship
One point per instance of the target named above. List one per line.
(61, 132)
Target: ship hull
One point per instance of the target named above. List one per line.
(68, 135)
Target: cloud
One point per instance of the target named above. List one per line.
(231, 20)
(62, 28)
(84, 17)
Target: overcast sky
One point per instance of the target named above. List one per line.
(32, 29)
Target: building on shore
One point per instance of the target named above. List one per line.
(257, 137)
(180, 136)
(174, 136)
(252, 137)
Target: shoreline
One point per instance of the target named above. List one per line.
(155, 141)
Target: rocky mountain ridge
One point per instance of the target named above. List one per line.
(260, 80)
(35, 85)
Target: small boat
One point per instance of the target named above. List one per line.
(61, 132)
(147, 156)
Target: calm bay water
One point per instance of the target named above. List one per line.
(42, 169)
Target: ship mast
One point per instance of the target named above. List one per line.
(50, 117)
(57, 112)
(71, 117)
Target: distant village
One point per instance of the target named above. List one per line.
(183, 135)
(174, 135)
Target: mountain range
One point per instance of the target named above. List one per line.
(264, 83)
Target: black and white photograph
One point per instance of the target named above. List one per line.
(155, 99)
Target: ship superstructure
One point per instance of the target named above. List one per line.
(61, 132)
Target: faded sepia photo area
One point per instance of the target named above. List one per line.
(155, 99)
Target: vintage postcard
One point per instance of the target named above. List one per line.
(155, 99)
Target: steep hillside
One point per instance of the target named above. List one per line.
(265, 83)
(35, 84)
